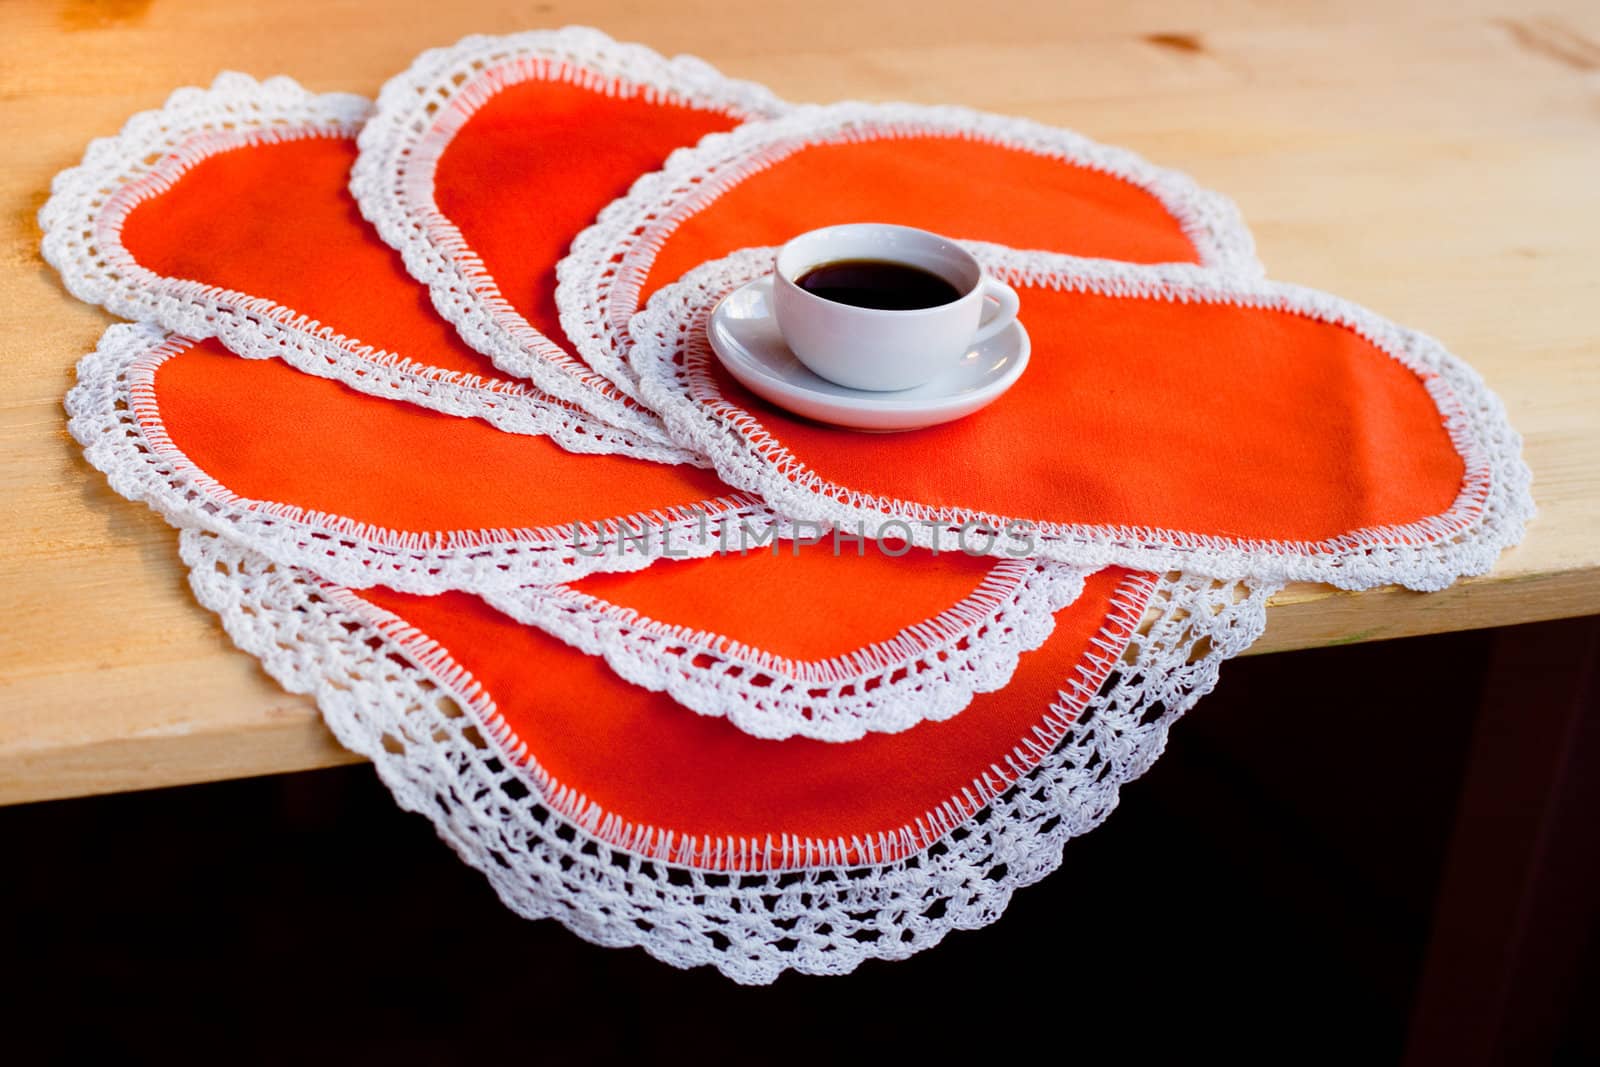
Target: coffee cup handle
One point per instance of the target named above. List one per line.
(1005, 313)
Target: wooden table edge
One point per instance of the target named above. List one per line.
(290, 735)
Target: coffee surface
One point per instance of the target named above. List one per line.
(878, 283)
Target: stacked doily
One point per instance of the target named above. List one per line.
(426, 389)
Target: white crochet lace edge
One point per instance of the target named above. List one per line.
(599, 282)
(929, 671)
(391, 694)
(83, 220)
(421, 110)
(673, 359)
(115, 417)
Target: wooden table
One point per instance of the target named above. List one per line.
(1441, 166)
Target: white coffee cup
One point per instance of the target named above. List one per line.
(883, 350)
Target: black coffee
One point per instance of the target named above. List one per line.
(877, 283)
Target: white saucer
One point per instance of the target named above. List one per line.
(744, 334)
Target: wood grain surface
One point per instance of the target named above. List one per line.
(1438, 162)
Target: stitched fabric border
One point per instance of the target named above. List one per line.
(401, 702)
(83, 223)
(930, 671)
(599, 282)
(114, 416)
(420, 111)
(673, 358)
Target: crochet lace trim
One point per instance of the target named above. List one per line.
(752, 909)
(89, 203)
(599, 282)
(929, 671)
(673, 360)
(116, 418)
(420, 112)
